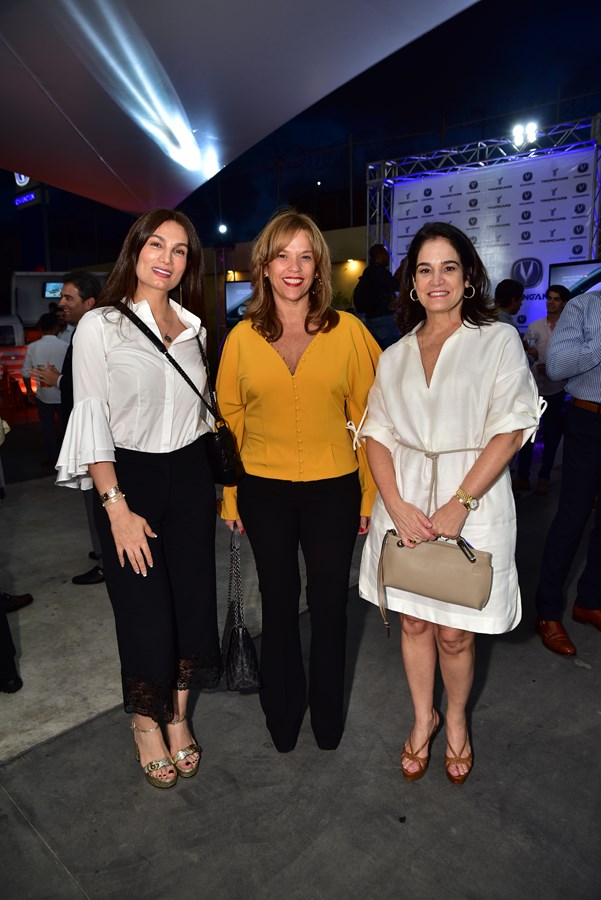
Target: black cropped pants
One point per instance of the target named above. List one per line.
(322, 517)
(166, 622)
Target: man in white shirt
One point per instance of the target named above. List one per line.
(48, 350)
(537, 338)
(78, 295)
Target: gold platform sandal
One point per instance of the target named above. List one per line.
(155, 764)
(181, 755)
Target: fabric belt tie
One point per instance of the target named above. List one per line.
(587, 404)
(434, 455)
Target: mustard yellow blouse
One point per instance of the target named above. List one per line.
(293, 427)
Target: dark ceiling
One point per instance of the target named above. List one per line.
(136, 103)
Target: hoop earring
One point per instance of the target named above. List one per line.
(472, 295)
(411, 293)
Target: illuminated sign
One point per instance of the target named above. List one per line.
(27, 199)
(22, 180)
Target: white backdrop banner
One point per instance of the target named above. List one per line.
(522, 216)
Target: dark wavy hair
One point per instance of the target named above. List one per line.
(121, 284)
(476, 310)
(261, 308)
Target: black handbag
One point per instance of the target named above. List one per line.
(222, 452)
(238, 652)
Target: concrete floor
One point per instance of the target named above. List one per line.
(78, 819)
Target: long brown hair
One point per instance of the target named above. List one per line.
(121, 284)
(276, 235)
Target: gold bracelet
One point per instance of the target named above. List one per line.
(115, 499)
(112, 492)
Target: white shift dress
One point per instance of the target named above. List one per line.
(481, 386)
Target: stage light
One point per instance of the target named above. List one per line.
(110, 43)
(525, 134)
(222, 229)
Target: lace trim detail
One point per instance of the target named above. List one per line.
(148, 698)
(197, 672)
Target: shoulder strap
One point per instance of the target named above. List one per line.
(212, 407)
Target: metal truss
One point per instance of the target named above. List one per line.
(381, 176)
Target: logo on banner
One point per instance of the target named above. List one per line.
(577, 249)
(527, 176)
(427, 209)
(528, 271)
(583, 167)
(526, 235)
(473, 202)
(527, 195)
(472, 221)
(581, 187)
(526, 215)
(578, 229)
(473, 185)
(579, 208)
(427, 192)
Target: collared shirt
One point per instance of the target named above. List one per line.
(574, 351)
(66, 334)
(127, 394)
(538, 335)
(506, 318)
(49, 350)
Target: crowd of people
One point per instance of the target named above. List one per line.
(406, 421)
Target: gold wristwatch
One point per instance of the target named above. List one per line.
(469, 502)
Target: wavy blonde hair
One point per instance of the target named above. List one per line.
(261, 308)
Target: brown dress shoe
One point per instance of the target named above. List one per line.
(587, 616)
(555, 637)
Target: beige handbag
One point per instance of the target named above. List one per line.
(451, 572)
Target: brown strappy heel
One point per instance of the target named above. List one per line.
(409, 755)
(456, 760)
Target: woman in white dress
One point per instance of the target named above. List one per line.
(452, 403)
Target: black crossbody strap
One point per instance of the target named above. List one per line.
(212, 407)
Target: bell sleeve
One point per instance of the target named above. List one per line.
(88, 437)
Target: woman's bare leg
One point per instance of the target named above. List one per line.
(456, 654)
(418, 645)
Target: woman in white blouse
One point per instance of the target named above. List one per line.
(135, 435)
(452, 402)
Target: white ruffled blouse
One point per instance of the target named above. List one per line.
(127, 394)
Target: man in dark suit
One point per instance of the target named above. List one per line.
(79, 292)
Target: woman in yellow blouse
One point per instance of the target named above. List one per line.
(293, 373)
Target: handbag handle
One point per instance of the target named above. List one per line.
(212, 406)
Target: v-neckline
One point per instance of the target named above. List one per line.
(435, 366)
(301, 358)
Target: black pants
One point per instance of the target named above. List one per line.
(323, 518)
(580, 484)
(552, 426)
(167, 622)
